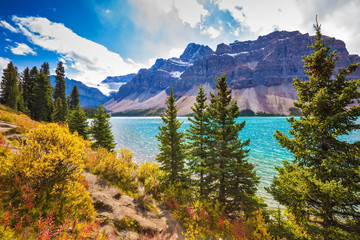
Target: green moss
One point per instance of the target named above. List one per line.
(18, 130)
(127, 224)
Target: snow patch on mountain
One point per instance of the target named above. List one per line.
(176, 74)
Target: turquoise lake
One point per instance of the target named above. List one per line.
(138, 135)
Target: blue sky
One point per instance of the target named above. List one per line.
(99, 38)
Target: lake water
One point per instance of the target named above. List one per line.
(138, 135)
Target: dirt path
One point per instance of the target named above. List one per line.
(113, 206)
(7, 129)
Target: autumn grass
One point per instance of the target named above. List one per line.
(116, 168)
(23, 121)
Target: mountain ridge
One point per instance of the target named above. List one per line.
(261, 73)
(89, 96)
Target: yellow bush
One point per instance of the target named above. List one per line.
(206, 219)
(42, 190)
(52, 155)
(5, 154)
(257, 223)
(150, 175)
(118, 170)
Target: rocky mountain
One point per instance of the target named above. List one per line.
(113, 83)
(146, 89)
(261, 73)
(89, 96)
(151, 82)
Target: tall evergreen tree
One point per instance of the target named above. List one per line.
(74, 98)
(231, 176)
(60, 91)
(171, 146)
(77, 122)
(101, 131)
(58, 114)
(42, 98)
(27, 88)
(321, 185)
(45, 68)
(10, 93)
(198, 139)
(32, 97)
(21, 105)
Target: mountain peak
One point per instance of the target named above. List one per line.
(194, 52)
(279, 35)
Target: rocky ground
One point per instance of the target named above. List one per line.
(112, 207)
(10, 132)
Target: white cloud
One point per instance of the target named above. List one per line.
(339, 19)
(151, 61)
(8, 26)
(22, 49)
(108, 11)
(212, 32)
(262, 17)
(92, 61)
(188, 11)
(175, 52)
(164, 5)
(3, 64)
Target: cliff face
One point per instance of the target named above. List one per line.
(150, 82)
(261, 73)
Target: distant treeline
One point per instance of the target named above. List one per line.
(250, 113)
(90, 112)
(139, 112)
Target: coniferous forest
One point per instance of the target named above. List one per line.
(203, 176)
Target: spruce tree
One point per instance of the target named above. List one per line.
(101, 131)
(42, 97)
(27, 88)
(57, 115)
(10, 93)
(74, 98)
(21, 105)
(78, 122)
(45, 68)
(171, 144)
(321, 185)
(32, 96)
(197, 135)
(231, 177)
(60, 90)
